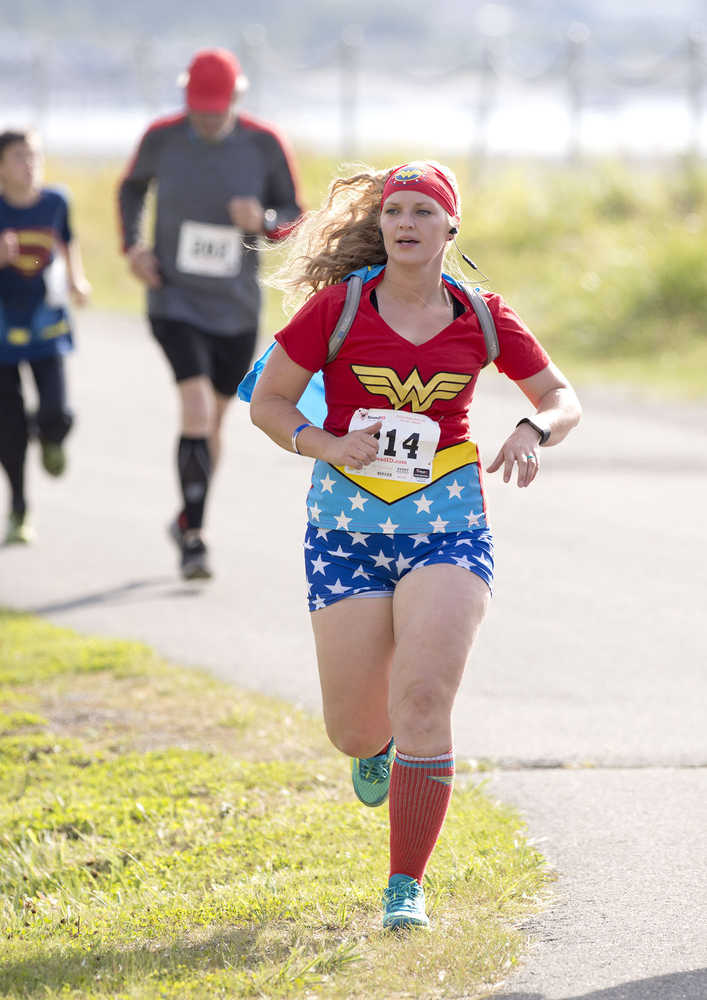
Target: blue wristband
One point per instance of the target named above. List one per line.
(295, 432)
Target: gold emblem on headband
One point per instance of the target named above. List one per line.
(408, 174)
(414, 391)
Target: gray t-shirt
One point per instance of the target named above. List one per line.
(195, 180)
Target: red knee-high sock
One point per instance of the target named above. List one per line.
(420, 790)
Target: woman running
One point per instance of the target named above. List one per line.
(398, 551)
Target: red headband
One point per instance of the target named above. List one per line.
(427, 179)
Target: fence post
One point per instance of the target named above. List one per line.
(41, 78)
(695, 91)
(253, 41)
(350, 46)
(577, 38)
(484, 104)
(143, 55)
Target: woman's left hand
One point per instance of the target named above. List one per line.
(520, 449)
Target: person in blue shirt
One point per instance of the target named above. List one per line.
(40, 262)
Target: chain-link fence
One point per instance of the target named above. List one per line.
(566, 98)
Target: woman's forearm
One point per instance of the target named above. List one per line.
(279, 418)
(559, 410)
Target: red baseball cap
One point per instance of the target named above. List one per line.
(213, 77)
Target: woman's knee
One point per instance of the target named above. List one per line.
(421, 706)
(355, 740)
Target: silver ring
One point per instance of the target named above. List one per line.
(531, 458)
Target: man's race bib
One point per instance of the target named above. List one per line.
(407, 443)
(210, 250)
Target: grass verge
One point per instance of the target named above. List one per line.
(163, 834)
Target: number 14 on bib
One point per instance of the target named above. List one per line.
(407, 443)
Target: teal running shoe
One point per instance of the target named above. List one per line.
(404, 904)
(371, 776)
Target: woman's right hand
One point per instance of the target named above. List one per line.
(145, 266)
(355, 449)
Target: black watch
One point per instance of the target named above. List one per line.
(544, 432)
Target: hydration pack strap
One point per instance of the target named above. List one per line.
(488, 327)
(347, 315)
(354, 285)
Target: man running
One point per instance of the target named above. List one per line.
(222, 180)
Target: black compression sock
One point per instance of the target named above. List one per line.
(194, 464)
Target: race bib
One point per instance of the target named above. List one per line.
(210, 250)
(407, 443)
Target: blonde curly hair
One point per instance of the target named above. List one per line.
(341, 236)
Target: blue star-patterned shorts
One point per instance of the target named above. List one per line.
(350, 564)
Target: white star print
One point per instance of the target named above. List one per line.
(455, 490)
(322, 533)
(318, 565)
(401, 563)
(423, 504)
(358, 539)
(340, 552)
(337, 588)
(473, 518)
(342, 521)
(388, 528)
(420, 540)
(307, 545)
(464, 541)
(383, 560)
(358, 501)
(438, 524)
(315, 510)
(462, 561)
(361, 572)
(319, 603)
(327, 484)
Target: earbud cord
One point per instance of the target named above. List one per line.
(470, 262)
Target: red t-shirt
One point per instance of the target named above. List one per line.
(378, 368)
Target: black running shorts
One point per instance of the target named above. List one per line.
(223, 358)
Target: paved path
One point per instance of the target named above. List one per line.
(587, 686)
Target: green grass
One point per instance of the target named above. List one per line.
(605, 262)
(165, 835)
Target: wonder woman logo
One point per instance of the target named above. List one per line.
(413, 391)
(408, 174)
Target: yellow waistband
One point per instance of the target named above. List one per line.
(445, 461)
